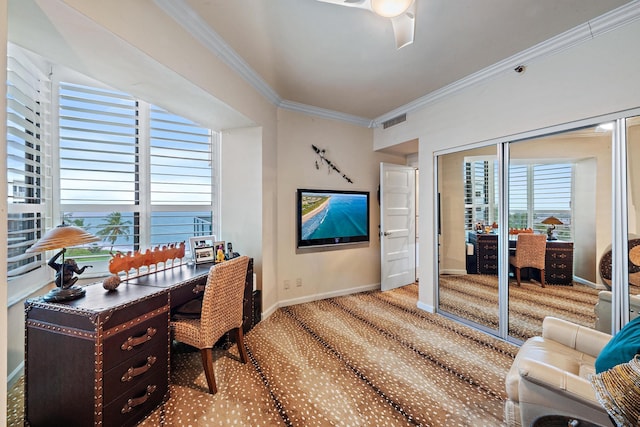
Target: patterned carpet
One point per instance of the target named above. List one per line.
(370, 359)
(475, 297)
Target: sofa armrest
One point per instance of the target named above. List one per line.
(572, 335)
(557, 380)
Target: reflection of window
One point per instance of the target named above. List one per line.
(536, 191)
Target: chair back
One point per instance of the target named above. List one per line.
(223, 299)
(530, 250)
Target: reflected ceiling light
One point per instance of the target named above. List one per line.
(390, 8)
(605, 127)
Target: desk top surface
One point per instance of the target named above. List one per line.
(98, 299)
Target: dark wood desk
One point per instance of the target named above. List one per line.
(104, 359)
(558, 258)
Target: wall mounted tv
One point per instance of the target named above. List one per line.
(331, 217)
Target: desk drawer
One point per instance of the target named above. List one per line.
(188, 292)
(139, 337)
(141, 367)
(141, 398)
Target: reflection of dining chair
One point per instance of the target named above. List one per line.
(530, 252)
(221, 312)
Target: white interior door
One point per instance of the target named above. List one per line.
(397, 225)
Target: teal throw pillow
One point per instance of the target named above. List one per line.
(622, 347)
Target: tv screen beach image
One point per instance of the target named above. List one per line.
(330, 215)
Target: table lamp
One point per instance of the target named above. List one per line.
(552, 221)
(61, 237)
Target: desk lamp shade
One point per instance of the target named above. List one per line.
(60, 237)
(551, 221)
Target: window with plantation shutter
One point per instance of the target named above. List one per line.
(27, 113)
(552, 195)
(131, 173)
(181, 171)
(98, 146)
(536, 191)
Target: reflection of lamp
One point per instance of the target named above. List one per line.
(390, 8)
(64, 236)
(552, 221)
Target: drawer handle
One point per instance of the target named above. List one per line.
(137, 401)
(134, 372)
(132, 342)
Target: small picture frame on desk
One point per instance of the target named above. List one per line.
(199, 242)
(204, 254)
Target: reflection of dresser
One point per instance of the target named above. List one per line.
(484, 259)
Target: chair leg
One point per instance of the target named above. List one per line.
(518, 275)
(241, 348)
(207, 363)
(542, 277)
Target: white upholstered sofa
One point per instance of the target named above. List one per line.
(603, 310)
(550, 375)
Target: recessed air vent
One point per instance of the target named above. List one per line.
(392, 122)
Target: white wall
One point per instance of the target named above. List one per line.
(593, 78)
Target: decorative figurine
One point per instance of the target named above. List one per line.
(64, 275)
(220, 254)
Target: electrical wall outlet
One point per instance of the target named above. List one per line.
(298, 282)
(287, 283)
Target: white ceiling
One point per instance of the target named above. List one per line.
(322, 56)
(344, 59)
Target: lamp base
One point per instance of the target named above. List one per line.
(68, 294)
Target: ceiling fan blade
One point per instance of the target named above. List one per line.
(404, 27)
(360, 4)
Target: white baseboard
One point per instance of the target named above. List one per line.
(317, 297)
(452, 271)
(426, 307)
(589, 283)
(15, 375)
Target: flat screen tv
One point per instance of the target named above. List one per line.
(331, 217)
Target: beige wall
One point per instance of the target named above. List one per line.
(349, 147)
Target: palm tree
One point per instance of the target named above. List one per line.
(113, 228)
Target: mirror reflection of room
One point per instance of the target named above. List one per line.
(555, 187)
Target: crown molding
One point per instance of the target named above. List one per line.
(194, 24)
(324, 113)
(180, 11)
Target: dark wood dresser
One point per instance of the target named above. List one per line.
(484, 260)
(103, 359)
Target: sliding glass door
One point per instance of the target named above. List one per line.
(633, 206)
(468, 243)
(559, 186)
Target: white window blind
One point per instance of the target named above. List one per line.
(131, 173)
(181, 173)
(27, 112)
(98, 135)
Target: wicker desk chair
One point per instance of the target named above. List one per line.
(530, 252)
(221, 312)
